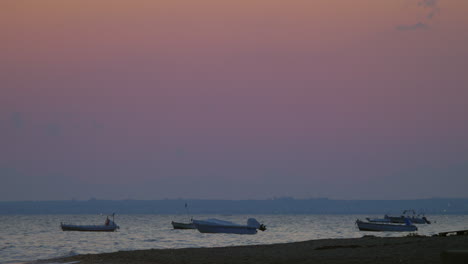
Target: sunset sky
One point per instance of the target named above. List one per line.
(224, 99)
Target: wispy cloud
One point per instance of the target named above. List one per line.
(432, 6)
(416, 26)
(428, 3)
(432, 9)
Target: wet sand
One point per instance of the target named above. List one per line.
(333, 251)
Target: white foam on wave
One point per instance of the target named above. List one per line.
(73, 262)
(71, 254)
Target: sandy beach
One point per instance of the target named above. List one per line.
(413, 249)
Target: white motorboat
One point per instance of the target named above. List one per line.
(376, 227)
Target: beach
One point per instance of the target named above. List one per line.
(368, 249)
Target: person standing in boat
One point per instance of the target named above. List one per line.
(107, 221)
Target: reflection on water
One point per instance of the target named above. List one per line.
(31, 237)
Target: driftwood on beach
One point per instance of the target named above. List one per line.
(410, 249)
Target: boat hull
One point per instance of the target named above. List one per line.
(208, 227)
(89, 228)
(381, 227)
(177, 225)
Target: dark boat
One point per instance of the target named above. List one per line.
(108, 226)
(214, 225)
(416, 219)
(178, 225)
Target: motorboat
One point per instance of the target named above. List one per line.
(108, 226)
(178, 225)
(408, 214)
(379, 227)
(214, 225)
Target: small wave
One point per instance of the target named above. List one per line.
(6, 247)
(71, 254)
(150, 240)
(73, 262)
(36, 262)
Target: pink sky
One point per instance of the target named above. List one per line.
(233, 99)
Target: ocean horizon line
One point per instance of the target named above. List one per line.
(270, 206)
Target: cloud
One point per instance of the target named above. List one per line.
(416, 26)
(431, 5)
(428, 3)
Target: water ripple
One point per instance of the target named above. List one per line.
(39, 236)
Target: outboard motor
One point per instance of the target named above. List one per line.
(254, 223)
(425, 219)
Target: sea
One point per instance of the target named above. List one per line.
(25, 238)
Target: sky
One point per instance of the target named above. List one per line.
(210, 99)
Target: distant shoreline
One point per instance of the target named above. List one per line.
(407, 249)
(270, 206)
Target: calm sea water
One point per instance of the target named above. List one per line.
(32, 237)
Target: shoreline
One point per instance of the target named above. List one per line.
(367, 249)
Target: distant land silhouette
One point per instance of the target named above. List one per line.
(284, 205)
